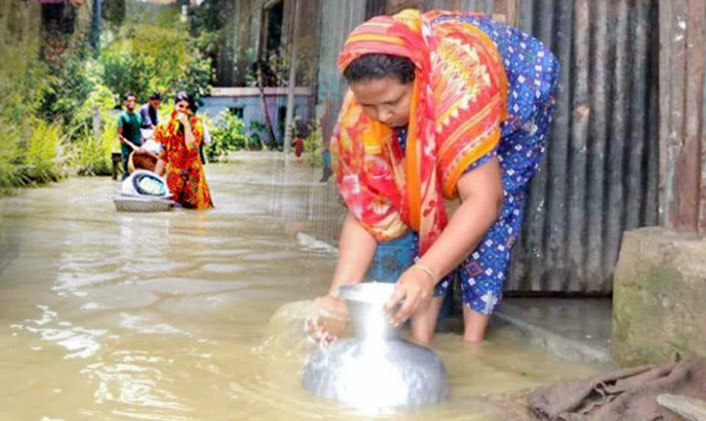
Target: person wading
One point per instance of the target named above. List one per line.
(441, 105)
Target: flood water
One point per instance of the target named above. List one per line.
(198, 315)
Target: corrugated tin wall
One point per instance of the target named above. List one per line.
(484, 6)
(600, 175)
(682, 112)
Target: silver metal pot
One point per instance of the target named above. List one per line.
(375, 369)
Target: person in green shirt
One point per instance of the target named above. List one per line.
(129, 123)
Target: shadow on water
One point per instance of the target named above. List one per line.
(198, 315)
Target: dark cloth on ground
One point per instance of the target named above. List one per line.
(627, 394)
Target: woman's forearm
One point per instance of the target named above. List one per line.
(356, 250)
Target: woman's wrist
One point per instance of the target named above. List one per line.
(430, 273)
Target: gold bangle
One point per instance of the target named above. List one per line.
(426, 270)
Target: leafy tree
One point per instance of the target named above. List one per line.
(146, 58)
(210, 16)
(68, 85)
(113, 12)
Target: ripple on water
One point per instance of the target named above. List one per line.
(74, 280)
(135, 384)
(80, 342)
(143, 325)
(221, 268)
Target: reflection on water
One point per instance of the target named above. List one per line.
(186, 315)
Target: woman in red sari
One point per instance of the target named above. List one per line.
(181, 137)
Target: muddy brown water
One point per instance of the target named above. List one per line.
(198, 315)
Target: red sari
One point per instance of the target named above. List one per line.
(184, 169)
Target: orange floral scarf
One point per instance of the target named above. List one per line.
(458, 102)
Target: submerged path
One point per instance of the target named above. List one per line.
(111, 315)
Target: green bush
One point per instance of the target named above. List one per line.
(35, 157)
(32, 149)
(92, 154)
(228, 134)
(44, 157)
(146, 58)
(69, 83)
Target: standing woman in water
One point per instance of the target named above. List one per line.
(181, 137)
(442, 105)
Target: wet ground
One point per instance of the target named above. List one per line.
(198, 315)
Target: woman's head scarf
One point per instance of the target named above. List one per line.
(459, 97)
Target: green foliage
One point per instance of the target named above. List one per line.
(124, 72)
(147, 58)
(313, 144)
(100, 99)
(74, 89)
(43, 157)
(260, 133)
(10, 175)
(50, 105)
(32, 149)
(228, 135)
(210, 16)
(113, 12)
(92, 154)
(37, 156)
(21, 82)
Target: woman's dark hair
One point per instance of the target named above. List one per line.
(184, 96)
(155, 95)
(379, 66)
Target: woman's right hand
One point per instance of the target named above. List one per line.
(183, 118)
(329, 319)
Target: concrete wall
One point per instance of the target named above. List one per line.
(248, 99)
(659, 296)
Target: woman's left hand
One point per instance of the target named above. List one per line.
(414, 290)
